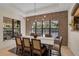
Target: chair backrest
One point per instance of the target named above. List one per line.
(36, 44)
(47, 35)
(18, 41)
(60, 41)
(32, 34)
(26, 42)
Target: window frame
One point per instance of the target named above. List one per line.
(42, 29)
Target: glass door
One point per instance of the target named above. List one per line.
(16, 27)
(11, 28)
(7, 28)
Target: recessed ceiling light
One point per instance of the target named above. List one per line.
(27, 19)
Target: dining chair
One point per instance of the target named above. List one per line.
(57, 46)
(18, 45)
(37, 48)
(26, 45)
(47, 35)
(32, 34)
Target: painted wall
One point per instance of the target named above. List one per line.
(11, 13)
(73, 36)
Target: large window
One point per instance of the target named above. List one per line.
(54, 28)
(51, 27)
(39, 30)
(45, 27)
(11, 28)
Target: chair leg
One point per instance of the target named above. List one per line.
(21, 51)
(59, 54)
(32, 54)
(16, 50)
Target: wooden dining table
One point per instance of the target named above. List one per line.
(48, 41)
(44, 40)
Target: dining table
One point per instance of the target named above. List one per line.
(44, 40)
(48, 41)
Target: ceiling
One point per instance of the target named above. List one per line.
(32, 7)
(29, 9)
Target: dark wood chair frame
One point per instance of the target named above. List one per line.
(26, 46)
(19, 47)
(48, 35)
(35, 48)
(60, 44)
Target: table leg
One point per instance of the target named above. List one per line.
(50, 52)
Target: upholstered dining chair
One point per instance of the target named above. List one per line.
(32, 34)
(36, 47)
(57, 46)
(26, 45)
(18, 45)
(47, 35)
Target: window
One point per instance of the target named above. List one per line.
(16, 28)
(36, 28)
(54, 28)
(51, 27)
(39, 30)
(45, 27)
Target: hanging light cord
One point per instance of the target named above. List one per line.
(35, 8)
(35, 11)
